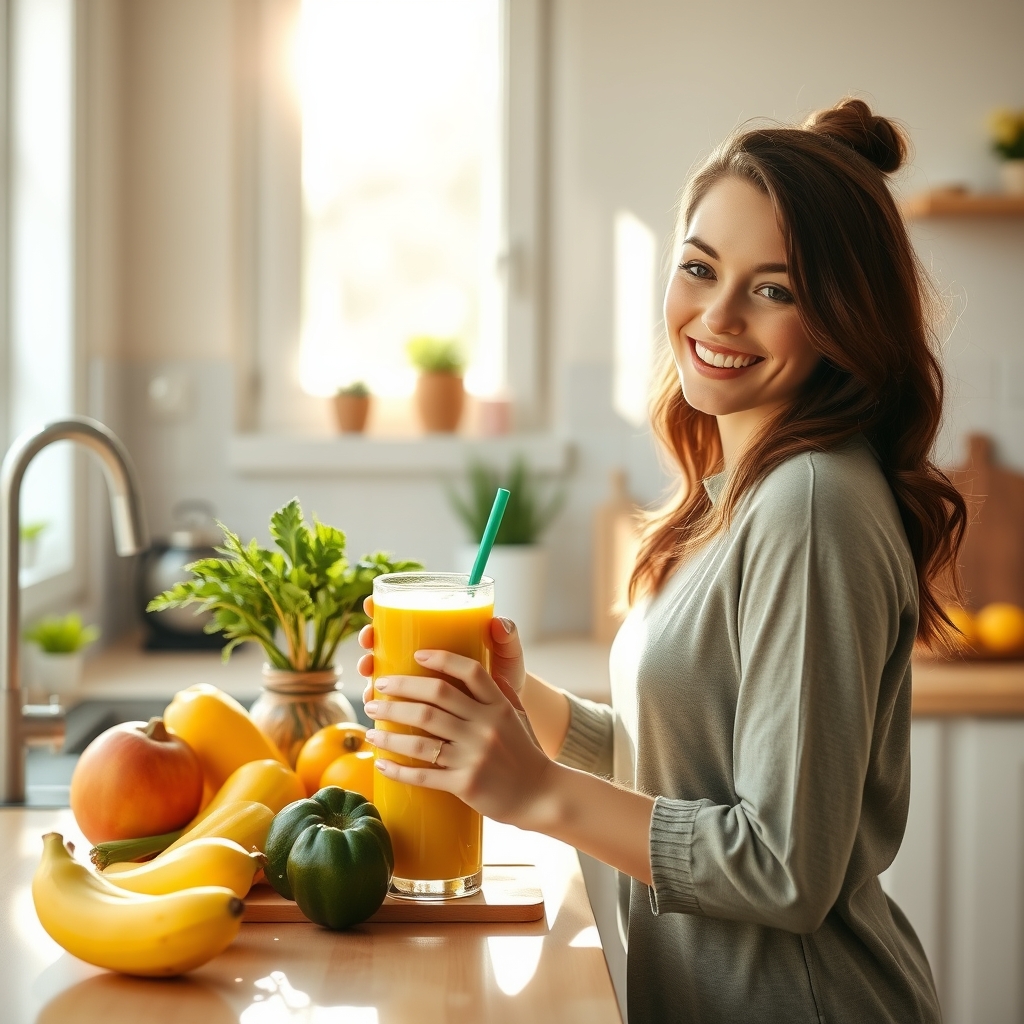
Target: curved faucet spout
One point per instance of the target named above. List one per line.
(130, 537)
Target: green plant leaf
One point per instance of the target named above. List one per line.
(65, 635)
(253, 593)
(528, 513)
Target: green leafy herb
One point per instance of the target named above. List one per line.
(307, 590)
(62, 636)
(527, 514)
(436, 355)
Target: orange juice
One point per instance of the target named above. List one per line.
(437, 839)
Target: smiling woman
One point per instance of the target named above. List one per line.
(759, 738)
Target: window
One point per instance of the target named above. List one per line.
(389, 203)
(40, 328)
(401, 137)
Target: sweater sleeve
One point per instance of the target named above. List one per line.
(588, 741)
(824, 602)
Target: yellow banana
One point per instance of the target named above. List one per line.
(244, 821)
(126, 931)
(266, 781)
(209, 861)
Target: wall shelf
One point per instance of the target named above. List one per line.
(960, 203)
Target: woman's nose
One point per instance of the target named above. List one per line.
(724, 315)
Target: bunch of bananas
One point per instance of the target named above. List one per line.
(175, 912)
(127, 931)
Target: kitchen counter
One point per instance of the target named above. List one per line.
(552, 970)
(982, 688)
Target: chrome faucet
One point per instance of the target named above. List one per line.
(20, 723)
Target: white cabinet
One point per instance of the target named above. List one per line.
(959, 875)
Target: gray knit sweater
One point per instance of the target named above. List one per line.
(764, 698)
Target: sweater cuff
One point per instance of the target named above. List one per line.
(672, 890)
(588, 741)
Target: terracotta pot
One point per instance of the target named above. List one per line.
(350, 412)
(439, 399)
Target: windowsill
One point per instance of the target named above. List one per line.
(361, 455)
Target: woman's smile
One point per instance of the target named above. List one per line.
(718, 362)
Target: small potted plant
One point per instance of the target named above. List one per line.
(1007, 128)
(30, 534)
(518, 560)
(351, 407)
(298, 603)
(58, 644)
(439, 392)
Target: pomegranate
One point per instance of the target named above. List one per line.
(134, 780)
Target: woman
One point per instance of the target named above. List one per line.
(760, 735)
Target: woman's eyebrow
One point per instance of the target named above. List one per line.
(762, 268)
(703, 246)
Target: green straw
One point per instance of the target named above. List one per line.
(487, 540)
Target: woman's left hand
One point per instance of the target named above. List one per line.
(488, 756)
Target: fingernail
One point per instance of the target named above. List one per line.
(507, 625)
(382, 683)
(379, 765)
(371, 707)
(421, 655)
(371, 735)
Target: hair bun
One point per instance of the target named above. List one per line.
(876, 138)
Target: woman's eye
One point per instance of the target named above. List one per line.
(775, 293)
(697, 269)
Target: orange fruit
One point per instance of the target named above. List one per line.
(351, 771)
(1000, 627)
(325, 746)
(964, 621)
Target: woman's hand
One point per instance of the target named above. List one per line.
(479, 744)
(507, 665)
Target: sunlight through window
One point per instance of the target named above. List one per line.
(401, 137)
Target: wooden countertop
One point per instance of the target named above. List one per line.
(552, 970)
(943, 688)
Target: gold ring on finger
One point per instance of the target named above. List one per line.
(437, 753)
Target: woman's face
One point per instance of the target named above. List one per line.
(739, 345)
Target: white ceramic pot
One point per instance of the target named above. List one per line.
(55, 673)
(519, 572)
(1011, 173)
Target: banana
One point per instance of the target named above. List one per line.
(244, 821)
(208, 861)
(155, 936)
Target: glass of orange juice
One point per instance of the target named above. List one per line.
(437, 839)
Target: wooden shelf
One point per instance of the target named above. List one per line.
(960, 203)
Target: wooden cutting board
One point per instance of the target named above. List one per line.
(992, 558)
(509, 893)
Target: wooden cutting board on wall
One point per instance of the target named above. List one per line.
(992, 559)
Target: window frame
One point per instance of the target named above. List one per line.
(65, 588)
(270, 219)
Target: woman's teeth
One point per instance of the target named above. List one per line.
(718, 359)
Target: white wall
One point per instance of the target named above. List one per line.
(639, 90)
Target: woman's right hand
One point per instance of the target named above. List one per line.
(508, 668)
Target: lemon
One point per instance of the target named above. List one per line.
(964, 621)
(1000, 627)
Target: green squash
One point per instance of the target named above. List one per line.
(332, 855)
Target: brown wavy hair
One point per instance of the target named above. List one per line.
(859, 289)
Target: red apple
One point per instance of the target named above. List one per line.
(134, 780)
